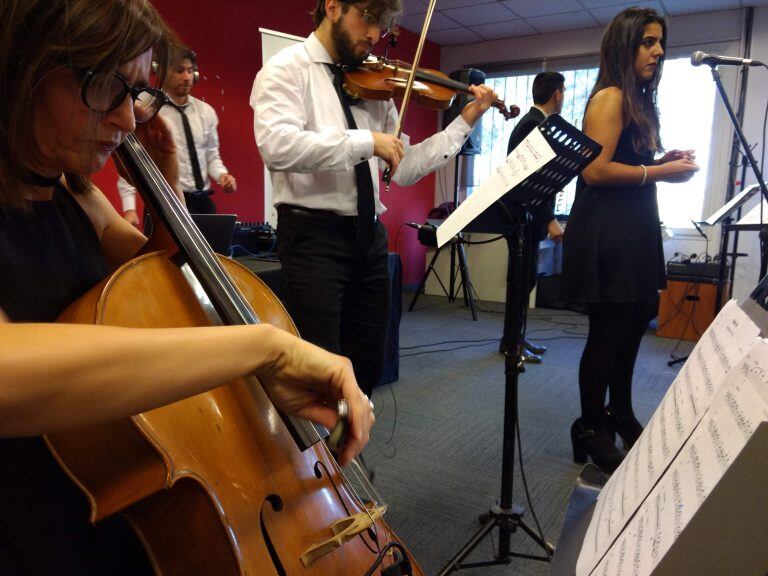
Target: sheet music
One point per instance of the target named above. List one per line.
(528, 157)
(738, 407)
(721, 346)
(753, 216)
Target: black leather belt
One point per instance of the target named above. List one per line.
(304, 212)
(198, 193)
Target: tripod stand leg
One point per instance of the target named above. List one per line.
(423, 282)
(455, 562)
(465, 282)
(546, 546)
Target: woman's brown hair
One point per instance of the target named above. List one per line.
(41, 36)
(621, 41)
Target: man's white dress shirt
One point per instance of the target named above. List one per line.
(204, 124)
(303, 138)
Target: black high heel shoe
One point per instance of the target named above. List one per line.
(627, 427)
(597, 444)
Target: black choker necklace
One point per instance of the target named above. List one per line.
(43, 181)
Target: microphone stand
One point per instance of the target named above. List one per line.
(752, 163)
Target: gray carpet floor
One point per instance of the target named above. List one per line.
(437, 445)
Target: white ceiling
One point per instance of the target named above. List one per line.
(466, 21)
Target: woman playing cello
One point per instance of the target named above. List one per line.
(65, 105)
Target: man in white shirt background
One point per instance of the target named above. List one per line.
(194, 126)
(324, 154)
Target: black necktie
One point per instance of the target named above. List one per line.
(192, 150)
(365, 204)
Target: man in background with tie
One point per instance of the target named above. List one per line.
(194, 125)
(324, 154)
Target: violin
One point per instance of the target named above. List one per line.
(379, 78)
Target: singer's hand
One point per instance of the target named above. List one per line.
(680, 170)
(677, 155)
(389, 149)
(484, 97)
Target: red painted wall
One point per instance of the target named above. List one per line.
(226, 38)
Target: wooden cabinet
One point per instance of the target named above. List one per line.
(687, 308)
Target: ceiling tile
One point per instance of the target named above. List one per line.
(676, 7)
(414, 22)
(509, 29)
(530, 8)
(480, 14)
(565, 21)
(605, 15)
(414, 7)
(600, 3)
(455, 36)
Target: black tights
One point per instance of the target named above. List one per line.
(608, 360)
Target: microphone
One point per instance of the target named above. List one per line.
(698, 58)
(420, 226)
(698, 229)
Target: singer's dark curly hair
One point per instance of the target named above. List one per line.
(621, 41)
(387, 10)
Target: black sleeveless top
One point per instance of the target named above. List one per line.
(49, 256)
(612, 248)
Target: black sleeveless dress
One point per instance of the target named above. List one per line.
(612, 248)
(49, 257)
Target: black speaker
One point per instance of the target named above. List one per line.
(466, 76)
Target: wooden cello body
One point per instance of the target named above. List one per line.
(214, 484)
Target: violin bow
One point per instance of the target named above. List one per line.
(409, 84)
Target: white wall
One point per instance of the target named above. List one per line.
(687, 34)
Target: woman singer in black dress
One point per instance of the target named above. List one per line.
(74, 78)
(613, 259)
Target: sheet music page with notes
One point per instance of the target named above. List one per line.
(738, 407)
(719, 349)
(528, 157)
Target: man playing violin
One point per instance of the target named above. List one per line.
(324, 157)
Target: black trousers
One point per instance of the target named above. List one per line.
(336, 292)
(199, 203)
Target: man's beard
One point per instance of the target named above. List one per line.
(344, 47)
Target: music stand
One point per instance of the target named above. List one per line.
(574, 151)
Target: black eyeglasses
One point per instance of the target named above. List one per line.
(103, 92)
(372, 20)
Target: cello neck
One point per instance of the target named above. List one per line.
(229, 303)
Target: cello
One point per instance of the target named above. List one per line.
(220, 483)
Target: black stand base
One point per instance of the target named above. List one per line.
(507, 521)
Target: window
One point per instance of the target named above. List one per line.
(686, 107)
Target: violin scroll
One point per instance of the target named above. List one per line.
(512, 112)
